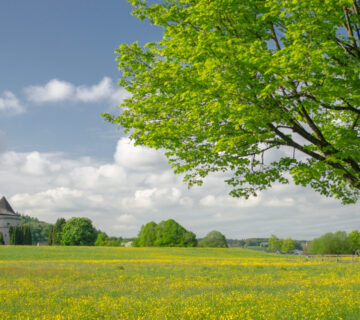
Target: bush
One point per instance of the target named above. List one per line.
(167, 233)
(78, 232)
(214, 239)
(331, 243)
(20, 235)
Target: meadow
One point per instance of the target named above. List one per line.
(173, 283)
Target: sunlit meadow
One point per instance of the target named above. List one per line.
(173, 283)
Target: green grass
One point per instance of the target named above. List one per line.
(172, 283)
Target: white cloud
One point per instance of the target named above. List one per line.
(57, 90)
(283, 202)
(126, 218)
(138, 187)
(97, 92)
(227, 201)
(54, 91)
(138, 158)
(9, 103)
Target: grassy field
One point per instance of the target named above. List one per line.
(172, 283)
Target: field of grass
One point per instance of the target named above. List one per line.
(172, 283)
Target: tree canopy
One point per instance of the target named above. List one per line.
(231, 80)
(336, 243)
(214, 239)
(78, 231)
(167, 233)
(39, 229)
(55, 232)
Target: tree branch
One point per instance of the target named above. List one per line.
(274, 37)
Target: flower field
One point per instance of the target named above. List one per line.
(173, 283)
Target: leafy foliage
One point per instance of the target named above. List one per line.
(354, 240)
(331, 243)
(288, 245)
(39, 229)
(104, 240)
(167, 233)
(55, 232)
(78, 231)
(274, 243)
(2, 242)
(232, 80)
(214, 239)
(20, 235)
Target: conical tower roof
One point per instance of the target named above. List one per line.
(5, 207)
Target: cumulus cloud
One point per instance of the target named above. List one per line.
(138, 158)
(9, 103)
(54, 91)
(227, 201)
(57, 90)
(138, 186)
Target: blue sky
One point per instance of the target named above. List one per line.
(72, 41)
(58, 158)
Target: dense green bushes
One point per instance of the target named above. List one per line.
(214, 239)
(20, 235)
(74, 232)
(104, 240)
(167, 233)
(39, 229)
(336, 243)
(285, 245)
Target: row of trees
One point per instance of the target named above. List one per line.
(170, 233)
(79, 232)
(20, 235)
(74, 232)
(39, 229)
(285, 245)
(336, 243)
(104, 240)
(167, 233)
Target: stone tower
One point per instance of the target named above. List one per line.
(8, 218)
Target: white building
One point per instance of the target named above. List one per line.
(8, 218)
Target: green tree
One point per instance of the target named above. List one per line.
(12, 235)
(39, 229)
(147, 235)
(167, 233)
(341, 243)
(331, 243)
(56, 232)
(354, 240)
(20, 235)
(27, 237)
(78, 231)
(102, 239)
(274, 243)
(214, 239)
(232, 80)
(2, 242)
(189, 239)
(288, 245)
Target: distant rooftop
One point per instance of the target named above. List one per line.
(5, 207)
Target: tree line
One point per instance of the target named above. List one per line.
(170, 233)
(335, 243)
(20, 235)
(79, 232)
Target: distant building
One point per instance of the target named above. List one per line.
(8, 218)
